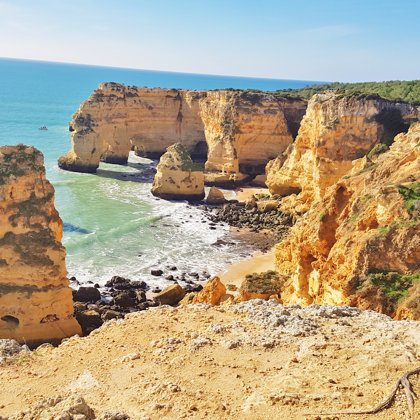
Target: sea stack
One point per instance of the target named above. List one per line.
(35, 298)
(177, 176)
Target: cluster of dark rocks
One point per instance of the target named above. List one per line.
(190, 280)
(254, 215)
(119, 296)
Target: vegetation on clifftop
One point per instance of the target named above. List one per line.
(395, 90)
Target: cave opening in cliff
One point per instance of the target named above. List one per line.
(200, 151)
(393, 124)
(11, 321)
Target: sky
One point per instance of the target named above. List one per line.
(328, 40)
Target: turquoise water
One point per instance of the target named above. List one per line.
(112, 226)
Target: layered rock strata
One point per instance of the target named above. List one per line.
(177, 176)
(335, 131)
(35, 297)
(236, 132)
(360, 244)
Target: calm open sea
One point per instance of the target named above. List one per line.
(111, 226)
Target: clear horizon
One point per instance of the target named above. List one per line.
(342, 41)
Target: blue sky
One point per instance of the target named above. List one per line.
(339, 40)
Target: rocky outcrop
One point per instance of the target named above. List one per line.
(237, 132)
(335, 131)
(213, 291)
(360, 244)
(177, 176)
(35, 297)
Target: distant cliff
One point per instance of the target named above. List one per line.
(235, 132)
(35, 297)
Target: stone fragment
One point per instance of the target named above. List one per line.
(172, 295)
(212, 292)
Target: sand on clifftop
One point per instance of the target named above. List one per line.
(254, 360)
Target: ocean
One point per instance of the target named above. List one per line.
(112, 226)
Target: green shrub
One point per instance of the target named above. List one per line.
(411, 194)
(394, 285)
(377, 150)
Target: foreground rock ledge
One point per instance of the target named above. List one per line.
(253, 360)
(35, 297)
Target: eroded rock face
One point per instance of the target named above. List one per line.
(360, 244)
(335, 131)
(118, 118)
(35, 297)
(243, 131)
(177, 176)
(236, 132)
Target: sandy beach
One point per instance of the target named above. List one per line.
(257, 263)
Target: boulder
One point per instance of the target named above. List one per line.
(156, 272)
(89, 320)
(215, 196)
(87, 294)
(260, 286)
(212, 292)
(178, 177)
(265, 206)
(171, 295)
(126, 299)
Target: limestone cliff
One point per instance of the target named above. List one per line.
(335, 131)
(237, 132)
(243, 131)
(118, 118)
(360, 244)
(35, 297)
(177, 176)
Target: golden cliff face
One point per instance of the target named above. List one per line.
(334, 131)
(237, 132)
(177, 176)
(35, 297)
(360, 244)
(243, 131)
(117, 118)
